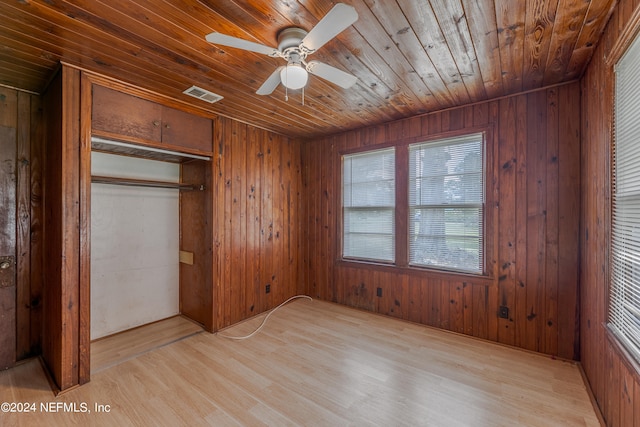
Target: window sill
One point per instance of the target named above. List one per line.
(417, 271)
(625, 356)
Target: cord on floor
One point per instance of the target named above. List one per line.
(264, 321)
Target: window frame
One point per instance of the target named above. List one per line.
(394, 209)
(401, 264)
(629, 351)
(481, 205)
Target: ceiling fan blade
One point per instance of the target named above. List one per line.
(225, 40)
(333, 23)
(271, 83)
(332, 74)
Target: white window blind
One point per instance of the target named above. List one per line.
(624, 299)
(368, 191)
(446, 203)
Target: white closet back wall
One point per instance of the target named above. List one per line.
(134, 245)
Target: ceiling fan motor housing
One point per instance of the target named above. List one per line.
(289, 42)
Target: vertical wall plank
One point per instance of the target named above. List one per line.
(479, 301)
(506, 217)
(435, 289)
(313, 215)
(53, 236)
(36, 276)
(219, 220)
(467, 308)
(456, 307)
(266, 222)
(569, 157)
(23, 226)
(8, 230)
(70, 220)
(614, 403)
(226, 280)
(279, 259)
(627, 391)
(254, 213)
(322, 251)
(84, 225)
(636, 399)
(445, 304)
(296, 207)
(416, 300)
(493, 201)
(237, 231)
(550, 291)
(522, 182)
(536, 221)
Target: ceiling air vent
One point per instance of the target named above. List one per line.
(205, 95)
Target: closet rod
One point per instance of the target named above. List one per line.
(144, 183)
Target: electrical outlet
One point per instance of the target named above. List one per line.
(503, 313)
(267, 288)
(379, 292)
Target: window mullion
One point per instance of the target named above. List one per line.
(402, 206)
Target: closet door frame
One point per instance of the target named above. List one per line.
(77, 101)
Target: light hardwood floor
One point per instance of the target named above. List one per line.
(318, 364)
(115, 349)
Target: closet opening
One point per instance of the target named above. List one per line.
(151, 241)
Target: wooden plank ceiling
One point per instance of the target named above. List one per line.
(410, 56)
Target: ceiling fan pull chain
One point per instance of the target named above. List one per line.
(303, 96)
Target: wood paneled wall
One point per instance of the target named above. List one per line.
(614, 381)
(21, 224)
(533, 176)
(257, 202)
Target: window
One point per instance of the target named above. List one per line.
(446, 204)
(624, 298)
(368, 200)
(441, 202)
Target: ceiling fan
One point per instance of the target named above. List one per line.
(294, 45)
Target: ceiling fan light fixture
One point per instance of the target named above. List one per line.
(294, 45)
(293, 76)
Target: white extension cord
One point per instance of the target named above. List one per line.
(264, 321)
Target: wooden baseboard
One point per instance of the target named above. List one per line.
(592, 397)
